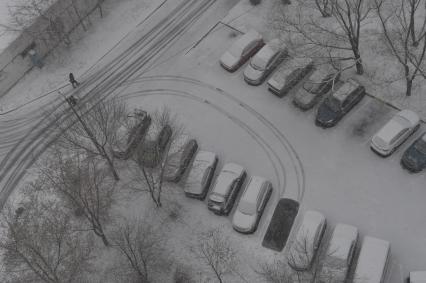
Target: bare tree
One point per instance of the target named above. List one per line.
(95, 130)
(397, 29)
(83, 185)
(411, 10)
(41, 245)
(215, 250)
(141, 244)
(99, 4)
(152, 157)
(336, 37)
(49, 28)
(324, 6)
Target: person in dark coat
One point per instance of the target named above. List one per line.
(73, 81)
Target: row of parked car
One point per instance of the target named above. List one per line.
(339, 256)
(265, 58)
(148, 146)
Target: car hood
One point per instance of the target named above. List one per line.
(304, 96)
(252, 74)
(325, 114)
(243, 221)
(228, 60)
(414, 158)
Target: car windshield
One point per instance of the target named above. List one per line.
(421, 146)
(247, 208)
(217, 199)
(312, 87)
(333, 104)
(258, 63)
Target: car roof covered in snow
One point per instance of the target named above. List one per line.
(311, 220)
(229, 173)
(341, 241)
(348, 87)
(372, 260)
(418, 277)
(248, 37)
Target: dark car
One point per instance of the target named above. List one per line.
(135, 129)
(318, 83)
(150, 152)
(338, 103)
(178, 161)
(414, 158)
(280, 225)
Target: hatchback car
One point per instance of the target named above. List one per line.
(339, 255)
(179, 158)
(226, 188)
(251, 205)
(340, 102)
(133, 133)
(414, 158)
(264, 62)
(150, 152)
(395, 132)
(244, 48)
(308, 238)
(289, 74)
(318, 83)
(201, 175)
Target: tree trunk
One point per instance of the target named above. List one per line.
(409, 85)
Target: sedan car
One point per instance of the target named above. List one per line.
(414, 158)
(178, 160)
(151, 151)
(339, 255)
(226, 188)
(339, 103)
(244, 48)
(201, 175)
(251, 205)
(308, 238)
(318, 83)
(264, 62)
(395, 132)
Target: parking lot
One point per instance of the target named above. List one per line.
(341, 176)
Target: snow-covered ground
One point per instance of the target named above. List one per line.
(5, 37)
(337, 173)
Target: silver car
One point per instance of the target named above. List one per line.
(251, 205)
(340, 254)
(264, 62)
(201, 175)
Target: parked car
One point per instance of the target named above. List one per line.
(281, 224)
(417, 277)
(201, 175)
(339, 255)
(179, 158)
(132, 133)
(226, 188)
(373, 261)
(264, 62)
(308, 238)
(289, 74)
(242, 49)
(151, 151)
(414, 158)
(338, 103)
(395, 132)
(252, 204)
(318, 84)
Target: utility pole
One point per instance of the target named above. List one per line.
(92, 137)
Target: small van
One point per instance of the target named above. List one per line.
(289, 74)
(373, 261)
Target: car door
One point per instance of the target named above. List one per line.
(401, 136)
(351, 254)
(247, 50)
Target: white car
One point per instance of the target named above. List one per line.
(251, 205)
(201, 175)
(339, 255)
(226, 188)
(395, 132)
(244, 48)
(308, 238)
(417, 277)
(264, 62)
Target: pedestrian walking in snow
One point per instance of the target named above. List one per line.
(73, 81)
